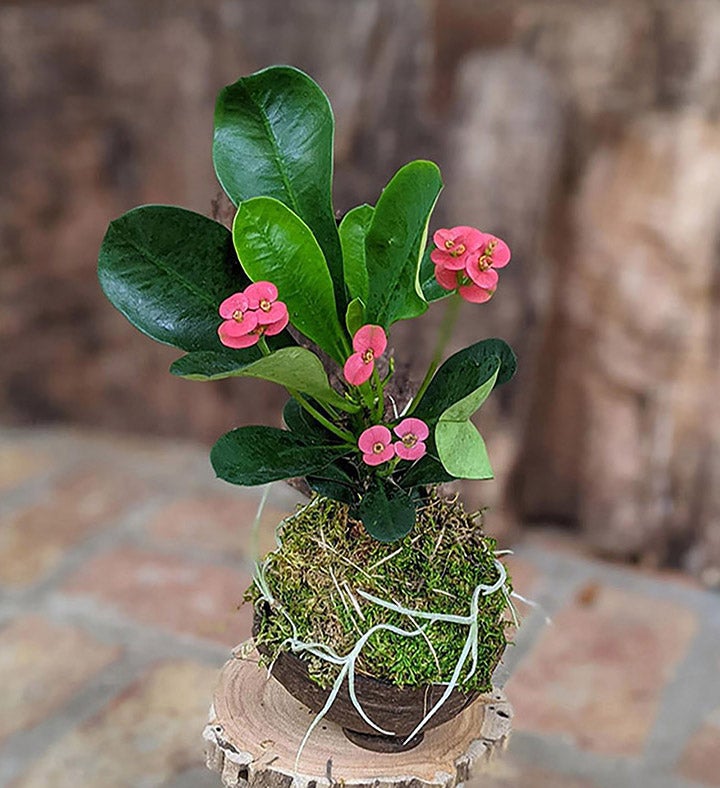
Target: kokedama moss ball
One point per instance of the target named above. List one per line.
(326, 558)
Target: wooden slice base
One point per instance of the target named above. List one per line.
(256, 727)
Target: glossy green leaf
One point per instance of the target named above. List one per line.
(353, 231)
(427, 470)
(167, 270)
(386, 511)
(355, 316)
(338, 481)
(299, 421)
(462, 374)
(396, 240)
(258, 455)
(293, 367)
(274, 137)
(462, 450)
(274, 244)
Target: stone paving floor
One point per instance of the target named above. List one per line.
(122, 562)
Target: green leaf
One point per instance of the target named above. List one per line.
(258, 455)
(355, 316)
(293, 367)
(460, 446)
(167, 270)
(386, 511)
(431, 290)
(427, 470)
(462, 450)
(274, 137)
(462, 374)
(274, 244)
(353, 231)
(299, 421)
(396, 240)
(338, 481)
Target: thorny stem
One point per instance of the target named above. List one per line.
(452, 312)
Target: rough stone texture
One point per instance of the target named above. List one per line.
(34, 540)
(596, 677)
(144, 737)
(43, 665)
(701, 759)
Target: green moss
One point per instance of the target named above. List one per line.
(326, 558)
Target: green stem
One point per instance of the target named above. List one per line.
(346, 436)
(380, 411)
(452, 312)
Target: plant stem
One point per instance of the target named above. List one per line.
(380, 412)
(452, 312)
(346, 436)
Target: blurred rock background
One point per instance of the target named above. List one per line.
(585, 132)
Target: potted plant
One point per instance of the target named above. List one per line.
(385, 605)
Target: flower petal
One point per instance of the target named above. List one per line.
(278, 311)
(410, 452)
(233, 328)
(356, 371)
(445, 278)
(445, 259)
(475, 294)
(259, 291)
(278, 326)
(501, 254)
(237, 342)
(486, 279)
(372, 435)
(235, 302)
(412, 426)
(370, 338)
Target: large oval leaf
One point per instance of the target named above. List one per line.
(295, 368)
(462, 374)
(276, 245)
(396, 240)
(387, 512)
(274, 137)
(258, 455)
(167, 270)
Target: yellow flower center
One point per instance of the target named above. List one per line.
(409, 440)
(378, 447)
(485, 259)
(265, 305)
(237, 316)
(368, 355)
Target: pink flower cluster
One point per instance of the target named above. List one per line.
(369, 342)
(377, 447)
(250, 314)
(466, 260)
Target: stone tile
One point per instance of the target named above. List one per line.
(43, 665)
(701, 759)
(506, 772)
(143, 738)
(169, 592)
(221, 524)
(19, 463)
(597, 675)
(34, 540)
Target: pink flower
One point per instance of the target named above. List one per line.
(458, 280)
(369, 342)
(250, 314)
(481, 264)
(412, 433)
(455, 246)
(237, 329)
(376, 445)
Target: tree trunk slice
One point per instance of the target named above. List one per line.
(255, 729)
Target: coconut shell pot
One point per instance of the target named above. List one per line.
(397, 709)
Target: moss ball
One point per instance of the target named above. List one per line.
(326, 558)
